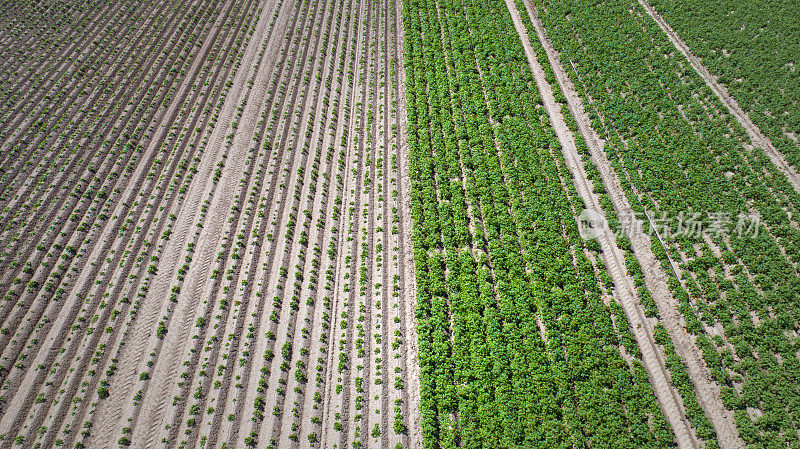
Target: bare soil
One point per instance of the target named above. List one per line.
(281, 139)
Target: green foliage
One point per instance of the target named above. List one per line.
(497, 251)
(677, 150)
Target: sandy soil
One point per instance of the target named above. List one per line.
(410, 294)
(134, 358)
(65, 333)
(255, 165)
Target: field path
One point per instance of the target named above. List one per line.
(405, 243)
(707, 391)
(652, 355)
(721, 91)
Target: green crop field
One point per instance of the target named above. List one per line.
(399, 224)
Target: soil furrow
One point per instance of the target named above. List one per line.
(84, 292)
(122, 183)
(45, 274)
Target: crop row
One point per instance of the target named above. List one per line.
(85, 309)
(284, 272)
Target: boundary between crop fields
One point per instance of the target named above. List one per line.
(412, 354)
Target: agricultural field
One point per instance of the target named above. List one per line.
(399, 224)
(203, 228)
(752, 49)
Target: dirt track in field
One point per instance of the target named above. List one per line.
(707, 391)
(756, 136)
(412, 352)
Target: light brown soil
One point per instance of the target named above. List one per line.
(114, 412)
(65, 348)
(407, 251)
(292, 141)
